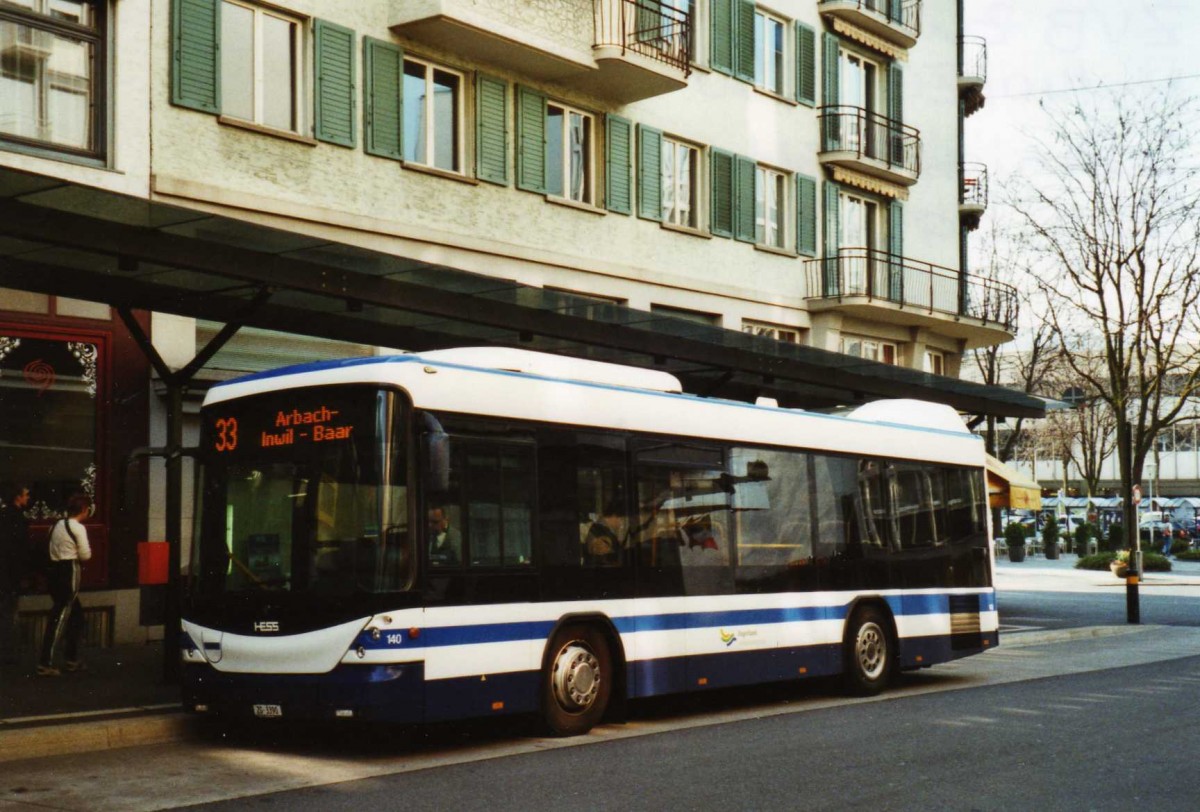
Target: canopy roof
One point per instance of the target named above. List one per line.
(1009, 488)
(77, 241)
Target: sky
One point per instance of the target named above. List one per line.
(1038, 48)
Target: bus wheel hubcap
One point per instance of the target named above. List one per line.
(871, 649)
(576, 677)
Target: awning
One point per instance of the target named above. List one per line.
(1009, 488)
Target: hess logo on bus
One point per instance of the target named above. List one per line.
(266, 626)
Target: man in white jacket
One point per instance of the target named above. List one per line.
(68, 548)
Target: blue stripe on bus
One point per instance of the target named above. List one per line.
(439, 636)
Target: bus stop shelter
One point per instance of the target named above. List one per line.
(137, 254)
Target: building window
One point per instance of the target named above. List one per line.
(770, 204)
(768, 52)
(50, 390)
(51, 74)
(694, 316)
(680, 180)
(569, 145)
(935, 362)
(859, 88)
(863, 271)
(433, 116)
(261, 66)
(788, 335)
(870, 349)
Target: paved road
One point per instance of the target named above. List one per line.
(1041, 594)
(1015, 720)
(1104, 740)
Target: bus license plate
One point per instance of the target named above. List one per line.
(268, 711)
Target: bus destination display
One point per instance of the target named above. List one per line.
(273, 428)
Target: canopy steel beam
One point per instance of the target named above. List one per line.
(236, 263)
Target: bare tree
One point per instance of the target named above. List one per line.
(1086, 434)
(1114, 215)
(1022, 366)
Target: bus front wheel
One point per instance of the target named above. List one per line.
(868, 651)
(578, 680)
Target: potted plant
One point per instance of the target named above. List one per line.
(1084, 532)
(1014, 537)
(1116, 537)
(1050, 538)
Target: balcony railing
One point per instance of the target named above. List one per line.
(869, 135)
(653, 29)
(878, 275)
(972, 58)
(903, 17)
(974, 185)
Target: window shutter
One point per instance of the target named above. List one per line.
(335, 83)
(895, 80)
(649, 173)
(383, 66)
(806, 65)
(806, 215)
(743, 201)
(721, 183)
(618, 173)
(531, 140)
(830, 124)
(491, 129)
(195, 50)
(720, 57)
(896, 249)
(830, 52)
(832, 281)
(743, 30)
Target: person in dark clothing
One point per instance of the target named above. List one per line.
(606, 536)
(68, 549)
(14, 542)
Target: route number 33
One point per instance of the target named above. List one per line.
(227, 434)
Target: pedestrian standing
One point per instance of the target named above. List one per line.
(68, 549)
(14, 541)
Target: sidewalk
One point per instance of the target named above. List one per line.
(1041, 575)
(120, 699)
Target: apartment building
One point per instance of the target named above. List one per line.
(793, 170)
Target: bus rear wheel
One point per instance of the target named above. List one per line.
(578, 680)
(868, 652)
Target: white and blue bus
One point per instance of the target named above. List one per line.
(470, 532)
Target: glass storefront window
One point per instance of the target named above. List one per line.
(49, 74)
(48, 389)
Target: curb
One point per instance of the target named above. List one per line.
(1047, 636)
(58, 739)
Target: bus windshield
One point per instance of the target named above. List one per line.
(303, 491)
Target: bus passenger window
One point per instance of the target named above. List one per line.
(771, 507)
(603, 525)
(499, 505)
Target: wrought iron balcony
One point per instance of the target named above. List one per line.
(897, 21)
(647, 27)
(643, 47)
(863, 276)
(972, 72)
(973, 194)
(629, 50)
(858, 139)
